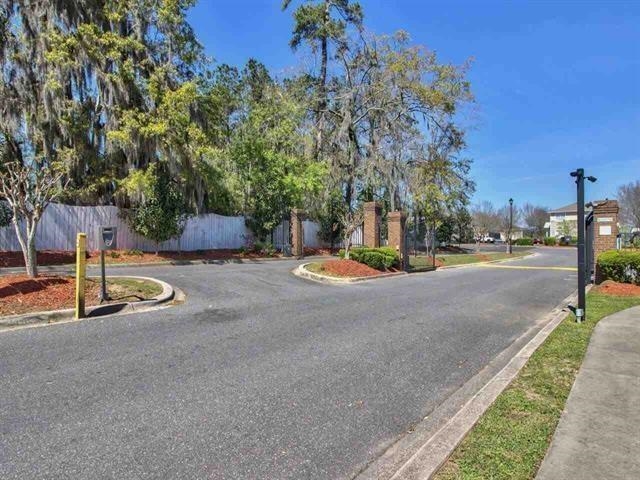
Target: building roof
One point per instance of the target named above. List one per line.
(573, 207)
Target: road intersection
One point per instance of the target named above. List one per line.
(260, 374)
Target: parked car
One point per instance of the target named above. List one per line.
(487, 239)
(537, 241)
(564, 240)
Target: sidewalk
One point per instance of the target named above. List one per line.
(598, 436)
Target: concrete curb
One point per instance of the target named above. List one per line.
(427, 455)
(475, 264)
(50, 317)
(302, 272)
(69, 267)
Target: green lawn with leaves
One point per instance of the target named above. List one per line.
(422, 261)
(512, 437)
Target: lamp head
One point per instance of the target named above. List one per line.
(592, 179)
(511, 201)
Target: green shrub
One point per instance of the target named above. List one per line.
(269, 250)
(373, 259)
(379, 258)
(134, 252)
(550, 241)
(524, 242)
(620, 266)
(264, 248)
(390, 251)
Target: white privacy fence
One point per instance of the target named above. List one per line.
(60, 223)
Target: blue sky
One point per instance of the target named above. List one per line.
(557, 83)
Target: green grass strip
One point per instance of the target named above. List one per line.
(464, 258)
(512, 437)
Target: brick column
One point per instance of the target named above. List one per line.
(605, 230)
(297, 233)
(396, 223)
(372, 215)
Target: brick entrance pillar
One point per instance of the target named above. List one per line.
(297, 233)
(605, 229)
(396, 223)
(372, 216)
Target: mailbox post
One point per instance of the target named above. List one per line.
(106, 241)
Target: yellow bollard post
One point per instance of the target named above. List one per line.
(81, 271)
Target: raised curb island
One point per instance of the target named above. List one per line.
(168, 294)
(301, 271)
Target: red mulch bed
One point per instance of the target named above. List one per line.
(45, 257)
(348, 268)
(609, 287)
(52, 257)
(22, 294)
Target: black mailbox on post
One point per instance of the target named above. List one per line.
(107, 238)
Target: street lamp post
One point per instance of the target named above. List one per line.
(581, 314)
(510, 224)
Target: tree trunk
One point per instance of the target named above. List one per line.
(322, 87)
(347, 247)
(31, 257)
(27, 242)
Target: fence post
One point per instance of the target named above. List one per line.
(81, 270)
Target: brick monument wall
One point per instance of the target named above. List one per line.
(605, 233)
(396, 224)
(372, 218)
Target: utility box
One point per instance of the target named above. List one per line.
(107, 238)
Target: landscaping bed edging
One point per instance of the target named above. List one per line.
(49, 317)
(301, 271)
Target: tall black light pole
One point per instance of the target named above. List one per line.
(582, 280)
(510, 224)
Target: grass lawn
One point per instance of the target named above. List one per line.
(128, 289)
(512, 437)
(462, 258)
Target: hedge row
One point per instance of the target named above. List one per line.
(550, 241)
(620, 266)
(381, 258)
(523, 242)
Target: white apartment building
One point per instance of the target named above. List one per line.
(568, 214)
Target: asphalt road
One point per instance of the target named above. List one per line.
(260, 375)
